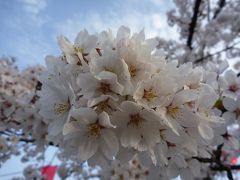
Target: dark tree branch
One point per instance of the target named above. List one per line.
(8, 134)
(216, 53)
(235, 167)
(27, 140)
(221, 4)
(193, 23)
(208, 10)
(223, 168)
(216, 163)
(22, 139)
(92, 176)
(204, 160)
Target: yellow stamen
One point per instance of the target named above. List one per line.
(237, 112)
(102, 106)
(108, 69)
(78, 49)
(61, 108)
(132, 70)
(149, 95)
(135, 120)
(172, 111)
(104, 88)
(194, 86)
(94, 130)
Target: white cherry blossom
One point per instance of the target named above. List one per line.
(230, 84)
(139, 127)
(155, 92)
(94, 133)
(233, 109)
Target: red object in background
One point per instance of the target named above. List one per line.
(233, 160)
(48, 172)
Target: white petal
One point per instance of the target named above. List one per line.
(87, 148)
(112, 78)
(109, 143)
(99, 159)
(120, 119)
(195, 166)
(161, 151)
(229, 117)
(180, 161)
(86, 114)
(81, 37)
(64, 44)
(230, 104)
(150, 132)
(190, 146)
(230, 76)
(95, 101)
(186, 174)
(125, 154)
(130, 107)
(68, 128)
(184, 96)
(56, 126)
(186, 118)
(234, 143)
(207, 97)
(123, 32)
(205, 131)
(172, 137)
(130, 137)
(90, 44)
(105, 121)
(168, 121)
(172, 171)
(71, 59)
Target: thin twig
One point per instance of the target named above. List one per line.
(217, 52)
(217, 164)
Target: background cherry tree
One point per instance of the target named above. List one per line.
(132, 108)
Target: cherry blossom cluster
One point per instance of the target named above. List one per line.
(215, 30)
(129, 104)
(19, 117)
(118, 97)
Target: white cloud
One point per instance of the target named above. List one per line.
(32, 51)
(33, 6)
(154, 24)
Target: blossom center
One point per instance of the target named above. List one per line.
(108, 69)
(104, 88)
(172, 111)
(94, 130)
(135, 120)
(149, 95)
(194, 86)
(237, 112)
(78, 49)
(103, 106)
(132, 70)
(233, 88)
(61, 108)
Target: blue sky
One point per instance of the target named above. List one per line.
(29, 28)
